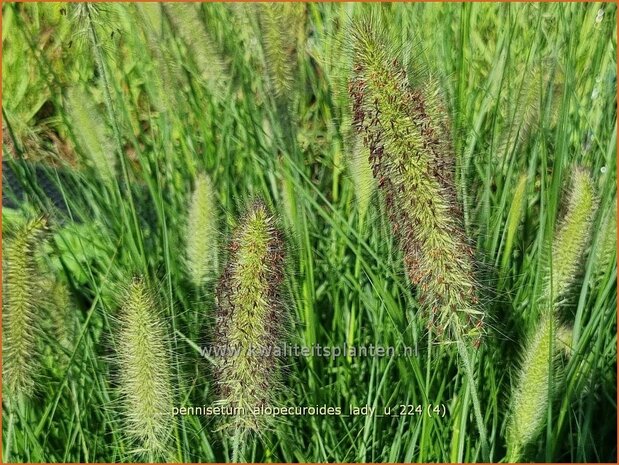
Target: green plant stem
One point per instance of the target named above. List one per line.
(9, 435)
(479, 419)
(236, 445)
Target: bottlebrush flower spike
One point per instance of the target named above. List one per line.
(251, 317)
(22, 301)
(531, 396)
(413, 161)
(144, 371)
(202, 249)
(572, 237)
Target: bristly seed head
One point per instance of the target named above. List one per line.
(201, 243)
(144, 371)
(571, 238)
(413, 161)
(251, 317)
(22, 302)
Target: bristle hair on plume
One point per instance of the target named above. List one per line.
(202, 252)
(251, 318)
(144, 370)
(572, 236)
(412, 160)
(22, 305)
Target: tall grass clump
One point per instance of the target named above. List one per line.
(144, 371)
(22, 304)
(201, 242)
(537, 379)
(413, 161)
(251, 319)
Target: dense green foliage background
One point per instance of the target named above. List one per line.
(109, 114)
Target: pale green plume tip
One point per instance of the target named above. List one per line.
(281, 25)
(361, 174)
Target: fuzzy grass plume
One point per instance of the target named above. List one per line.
(281, 25)
(250, 317)
(185, 19)
(144, 371)
(572, 236)
(202, 249)
(413, 161)
(606, 249)
(91, 134)
(538, 372)
(531, 394)
(22, 302)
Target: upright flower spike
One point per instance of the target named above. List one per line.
(144, 371)
(413, 161)
(201, 242)
(251, 317)
(281, 24)
(530, 398)
(91, 134)
(22, 300)
(572, 237)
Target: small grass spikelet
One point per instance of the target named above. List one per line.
(572, 236)
(201, 242)
(144, 371)
(251, 318)
(22, 302)
(413, 161)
